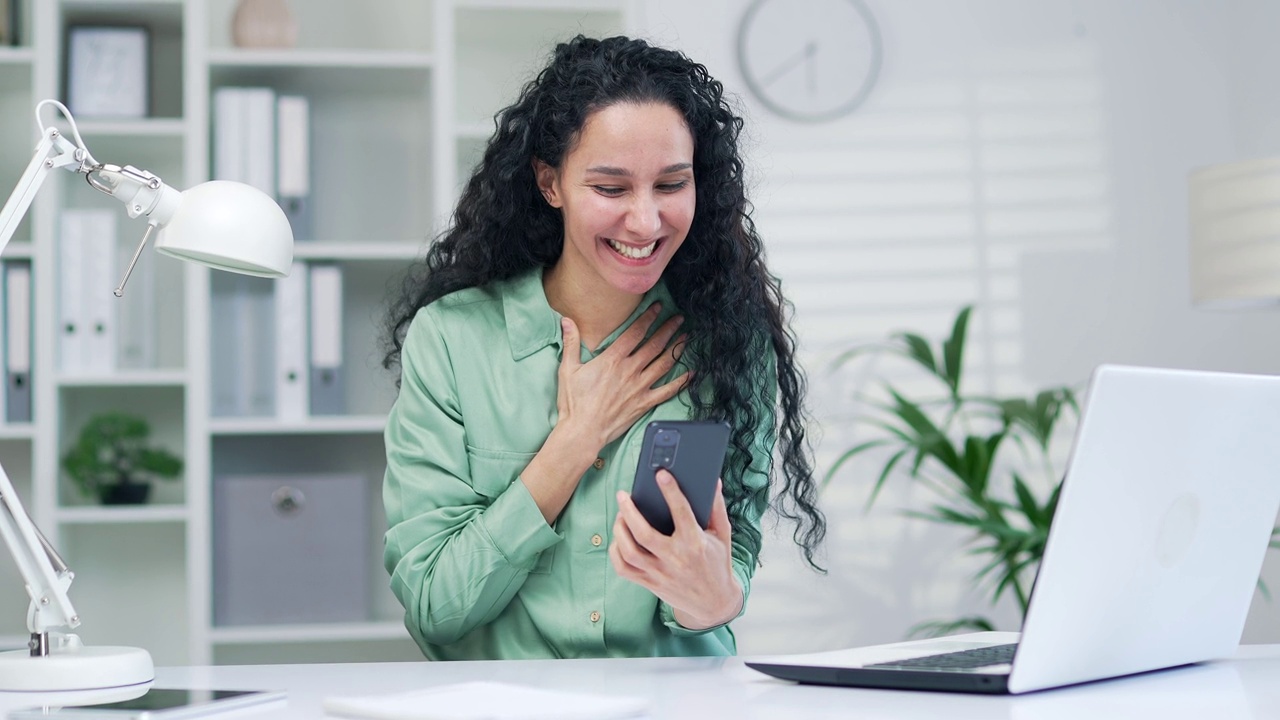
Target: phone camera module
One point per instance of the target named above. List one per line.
(665, 442)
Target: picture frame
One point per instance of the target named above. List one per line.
(108, 71)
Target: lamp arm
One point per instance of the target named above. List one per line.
(53, 151)
(46, 577)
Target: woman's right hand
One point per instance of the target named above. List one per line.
(605, 396)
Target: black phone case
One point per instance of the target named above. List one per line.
(696, 465)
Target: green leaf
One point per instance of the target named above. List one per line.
(1026, 501)
(884, 475)
(917, 348)
(953, 351)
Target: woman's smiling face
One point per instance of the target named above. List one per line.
(626, 190)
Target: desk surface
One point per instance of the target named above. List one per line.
(1248, 686)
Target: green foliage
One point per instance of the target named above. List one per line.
(953, 445)
(112, 450)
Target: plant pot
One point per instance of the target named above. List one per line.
(126, 494)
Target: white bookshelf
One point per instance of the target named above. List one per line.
(401, 94)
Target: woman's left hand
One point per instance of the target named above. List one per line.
(691, 569)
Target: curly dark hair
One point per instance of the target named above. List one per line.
(731, 304)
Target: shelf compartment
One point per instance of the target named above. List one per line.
(131, 585)
(163, 21)
(356, 116)
(163, 408)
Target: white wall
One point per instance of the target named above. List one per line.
(1027, 156)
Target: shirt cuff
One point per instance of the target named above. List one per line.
(667, 614)
(516, 526)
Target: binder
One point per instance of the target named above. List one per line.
(293, 173)
(101, 306)
(71, 319)
(17, 337)
(259, 108)
(326, 373)
(86, 307)
(228, 134)
(291, 345)
(241, 349)
(225, 345)
(258, 358)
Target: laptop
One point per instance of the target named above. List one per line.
(1166, 511)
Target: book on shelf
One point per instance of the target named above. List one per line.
(242, 346)
(17, 341)
(327, 384)
(291, 344)
(293, 173)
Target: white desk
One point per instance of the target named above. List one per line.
(704, 689)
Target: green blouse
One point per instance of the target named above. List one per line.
(478, 569)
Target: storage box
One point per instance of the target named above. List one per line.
(290, 549)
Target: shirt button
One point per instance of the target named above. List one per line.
(595, 616)
(596, 540)
(598, 464)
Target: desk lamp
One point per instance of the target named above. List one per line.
(1235, 234)
(224, 225)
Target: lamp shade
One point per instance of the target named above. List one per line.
(229, 226)
(1235, 234)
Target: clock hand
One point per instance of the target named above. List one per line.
(790, 63)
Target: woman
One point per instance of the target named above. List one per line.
(602, 271)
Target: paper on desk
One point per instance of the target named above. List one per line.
(485, 701)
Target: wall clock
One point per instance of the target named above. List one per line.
(809, 60)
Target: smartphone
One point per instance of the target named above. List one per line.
(693, 451)
(158, 704)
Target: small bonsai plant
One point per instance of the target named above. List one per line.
(112, 462)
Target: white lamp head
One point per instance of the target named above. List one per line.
(229, 226)
(1235, 234)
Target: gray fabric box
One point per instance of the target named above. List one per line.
(290, 549)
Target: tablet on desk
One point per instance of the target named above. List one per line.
(158, 704)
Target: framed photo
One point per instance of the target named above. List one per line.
(108, 71)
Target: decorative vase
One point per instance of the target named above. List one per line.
(264, 24)
(126, 493)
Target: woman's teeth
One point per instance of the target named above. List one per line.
(631, 252)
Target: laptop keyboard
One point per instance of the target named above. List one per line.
(961, 660)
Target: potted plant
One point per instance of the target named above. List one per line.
(957, 445)
(112, 461)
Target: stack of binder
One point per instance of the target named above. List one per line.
(264, 140)
(87, 311)
(277, 345)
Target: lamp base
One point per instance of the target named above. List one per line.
(75, 668)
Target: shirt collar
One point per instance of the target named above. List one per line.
(532, 324)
